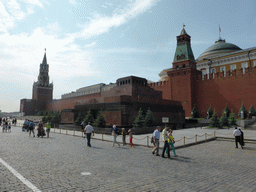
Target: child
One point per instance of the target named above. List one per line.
(130, 134)
(9, 127)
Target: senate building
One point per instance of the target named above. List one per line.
(223, 75)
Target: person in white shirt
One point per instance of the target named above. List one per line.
(88, 130)
(237, 134)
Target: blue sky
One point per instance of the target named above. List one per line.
(99, 41)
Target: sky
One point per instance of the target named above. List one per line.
(98, 41)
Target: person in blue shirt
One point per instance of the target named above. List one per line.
(156, 137)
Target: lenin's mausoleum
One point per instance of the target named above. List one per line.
(223, 75)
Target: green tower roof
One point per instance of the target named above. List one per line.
(183, 49)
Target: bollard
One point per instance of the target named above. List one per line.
(60, 130)
(147, 141)
(184, 142)
(54, 130)
(102, 136)
(214, 135)
(196, 139)
(66, 131)
(82, 133)
(205, 136)
(74, 132)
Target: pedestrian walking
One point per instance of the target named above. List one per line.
(166, 145)
(115, 133)
(48, 128)
(237, 134)
(171, 142)
(31, 128)
(241, 137)
(156, 137)
(131, 137)
(123, 136)
(88, 130)
(9, 127)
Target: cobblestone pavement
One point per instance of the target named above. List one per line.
(56, 164)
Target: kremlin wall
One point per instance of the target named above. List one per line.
(223, 75)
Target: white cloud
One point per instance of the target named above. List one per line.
(100, 25)
(22, 54)
(10, 11)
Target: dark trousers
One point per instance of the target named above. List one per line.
(88, 139)
(237, 139)
(166, 146)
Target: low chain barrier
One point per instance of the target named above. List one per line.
(81, 133)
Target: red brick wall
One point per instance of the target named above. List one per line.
(229, 90)
(190, 89)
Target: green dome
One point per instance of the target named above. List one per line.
(219, 48)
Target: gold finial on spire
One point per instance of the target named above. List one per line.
(45, 49)
(183, 26)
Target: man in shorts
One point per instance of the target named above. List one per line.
(31, 128)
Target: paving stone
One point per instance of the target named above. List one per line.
(56, 164)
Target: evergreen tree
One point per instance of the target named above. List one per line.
(232, 119)
(100, 120)
(149, 118)
(224, 119)
(88, 118)
(210, 112)
(252, 111)
(194, 113)
(244, 111)
(79, 119)
(214, 122)
(227, 111)
(139, 121)
(56, 118)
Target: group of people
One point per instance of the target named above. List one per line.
(167, 139)
(115, 133)
(88, 131)
(6, 126)
(30, 127)
(239, 137)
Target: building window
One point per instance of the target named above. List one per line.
(244, 65)
(223, 69)
(232, 68)
(203, 74)
(254, 63)
(212, 71)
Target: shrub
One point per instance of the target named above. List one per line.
(224, 120)
(149, 119)
(214, 122)
(100, 120)
(88, 117)
(242, 109)
(139, 121)
(232, 119)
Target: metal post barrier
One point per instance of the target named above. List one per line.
(102, 136)
(205, 136)
(184, 142)
(214, 136)
(82, 133)
(74, 132)
(54, 130)
(60, 130)
(147, 141)
(195, 139)
(66, 131)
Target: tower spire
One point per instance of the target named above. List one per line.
(44, 59)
